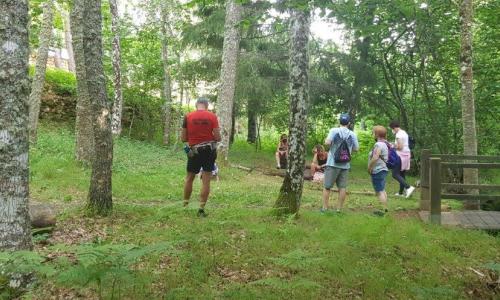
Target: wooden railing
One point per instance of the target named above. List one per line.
(431, 181)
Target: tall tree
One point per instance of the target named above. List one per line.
(84, 146)
(15, 224)
(40, 68)
(116, 123)
(68, 40)
(291, 191)
(100, 193)
(167, 87)
(231, 46)
(467, 92)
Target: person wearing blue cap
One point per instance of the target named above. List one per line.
(342, 142)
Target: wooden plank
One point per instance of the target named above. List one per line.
(482, 187)
(425, 196)
(452, 157)
(467, 165)
(489, 220)
(435, 189)
(471, 197)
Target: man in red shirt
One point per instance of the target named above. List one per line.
(200, 130)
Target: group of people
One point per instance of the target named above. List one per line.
(200, 132)
(343, 142)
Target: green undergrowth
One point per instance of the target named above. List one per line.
(240, 251)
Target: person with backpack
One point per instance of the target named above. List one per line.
(378, 165)
(402, 145)
(342, 142)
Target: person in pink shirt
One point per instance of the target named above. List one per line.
(402, 145)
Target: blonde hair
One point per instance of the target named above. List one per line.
(380, 131)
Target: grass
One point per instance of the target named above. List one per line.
(241, 251)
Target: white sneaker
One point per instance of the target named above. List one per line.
(399, 195)
(409, 191)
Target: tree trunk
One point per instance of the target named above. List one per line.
(40, 68)
(15, 228)
(252, 126)
(116, 124)
(100, 201)
(57, 58)
(84, 147)
(230, 51)
(167, 89)
(467, 92)
(68, 40)
(291, 191)
(233, 126)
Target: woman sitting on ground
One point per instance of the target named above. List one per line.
(319, 163)
(282, 151)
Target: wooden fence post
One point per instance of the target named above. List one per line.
(435, 189)
(425, 197)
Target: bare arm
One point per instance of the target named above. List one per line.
(399, 144)
(184, 135)
(375, 157)
(217, 135)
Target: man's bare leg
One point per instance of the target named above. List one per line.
(342, 196)
(326, 198)
(278, 161)
(205, 189)
(188, 187)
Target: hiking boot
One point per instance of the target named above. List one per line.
(379, 213)
(409, 191)
(201, 213)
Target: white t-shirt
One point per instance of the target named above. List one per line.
(402, 136)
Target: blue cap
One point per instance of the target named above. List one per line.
(344, 119)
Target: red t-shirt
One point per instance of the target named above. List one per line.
(200, 125)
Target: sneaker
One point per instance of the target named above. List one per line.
(323, 210)
(399, 195)
(278, 167)
(202, 213)
(409, 191)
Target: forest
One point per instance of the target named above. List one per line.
(97, 167)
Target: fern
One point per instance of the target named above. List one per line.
(297, 259)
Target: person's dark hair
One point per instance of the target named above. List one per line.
(394, 124)
(202, 100)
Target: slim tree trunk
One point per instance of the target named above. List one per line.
(467, 92)
(68, 40)
(116, 123)
(100, 201)
(252, 125)
(167, 89)
(40, 68)
(230, 51)
(57, 58)
(84, 147)
(15, 228)
(291, 191)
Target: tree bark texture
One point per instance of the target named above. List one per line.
(40, 68)
(291, 191)
(100, 193)
(467, 93)
(225, 101)
(84, 147)
(252, 126)
(15, 230)
(68, 40)
(116, 123)
(167, 86)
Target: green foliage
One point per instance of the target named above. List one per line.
(63, 83)
(240, 250)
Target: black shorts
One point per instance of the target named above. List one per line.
(204, 159)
